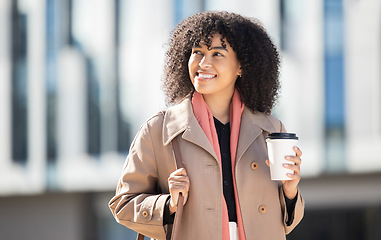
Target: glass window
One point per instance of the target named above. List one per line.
(83, 39)
(334, 85)
(19, 82)
(288, 12)
(185, 8)
(51, 87)
(69, 24)
(124, 138)
(107, 128)
(93, 110)
(58, 35)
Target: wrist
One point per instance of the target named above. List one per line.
(290, 194)
(172, 207)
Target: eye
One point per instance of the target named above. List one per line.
(217, 54)
(197, 52)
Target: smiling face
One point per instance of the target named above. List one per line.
(214, 71)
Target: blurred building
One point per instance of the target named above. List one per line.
(78, 78)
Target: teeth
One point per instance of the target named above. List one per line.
(206, 75)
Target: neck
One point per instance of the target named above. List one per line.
(219, 106)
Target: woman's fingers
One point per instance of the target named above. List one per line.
(296, 159)
(298, 151)
(179, 178)
(293, 167)
(178, 182)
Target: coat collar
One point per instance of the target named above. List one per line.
(179, 119)
(252, 125)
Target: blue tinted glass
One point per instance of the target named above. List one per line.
(178, 7)
(334, 86)
(19, 92)
(334, 64)
(50, 73)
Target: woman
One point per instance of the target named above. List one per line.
(221, 75)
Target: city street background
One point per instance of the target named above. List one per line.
(79, 77)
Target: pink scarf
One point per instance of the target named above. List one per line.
(205, 118)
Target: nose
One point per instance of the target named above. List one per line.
(205, 62)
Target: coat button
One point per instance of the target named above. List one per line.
(254, 165)
(145, 214)
(262, 209)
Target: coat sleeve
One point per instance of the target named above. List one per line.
(138, 203)
(296, 216)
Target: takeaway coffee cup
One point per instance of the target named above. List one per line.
(280, 145)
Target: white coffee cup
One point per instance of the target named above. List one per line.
(280, 145)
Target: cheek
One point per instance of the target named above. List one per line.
(191, 66)
(190, 72)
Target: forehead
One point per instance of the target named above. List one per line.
(212, 40)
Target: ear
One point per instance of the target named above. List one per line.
(240, 71)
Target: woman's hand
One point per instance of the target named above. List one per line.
(290, 187)
(178, 182)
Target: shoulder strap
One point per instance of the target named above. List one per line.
(180, 202)
(179, 212)
(140, 237)
(176, 150)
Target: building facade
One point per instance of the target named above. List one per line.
(78, 78)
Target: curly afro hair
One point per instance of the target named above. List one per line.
(258, 56)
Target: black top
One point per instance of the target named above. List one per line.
(223, 132)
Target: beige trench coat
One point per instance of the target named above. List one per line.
(143, 188)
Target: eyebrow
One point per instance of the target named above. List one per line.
(213, 48)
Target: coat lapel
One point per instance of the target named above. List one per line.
(179, 119)
(252, 125)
